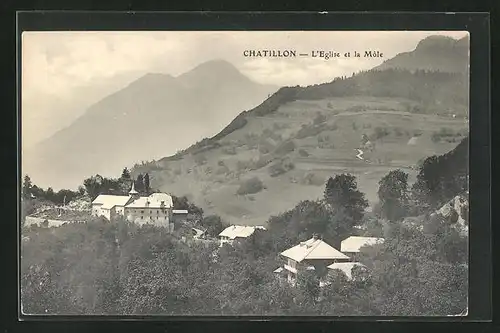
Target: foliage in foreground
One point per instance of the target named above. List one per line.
(103, 268)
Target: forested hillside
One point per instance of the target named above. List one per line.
(119, 268)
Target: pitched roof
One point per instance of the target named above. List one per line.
(345, 267)
(278, 270)
(180, 211)
(153, 201)
(109, 201)
(355, 243)
(235, 231)
(313, 249)
(198, 232)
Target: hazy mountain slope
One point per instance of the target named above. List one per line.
(436, 53)
(44, 114)
(152, 117)
(266, 144)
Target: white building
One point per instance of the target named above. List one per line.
(353, 244)
(234, 232)
(156, 209)
(309, 255)
(345, 267)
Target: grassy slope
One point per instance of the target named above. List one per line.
(213, 187)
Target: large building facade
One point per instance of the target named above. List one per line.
(155, 209)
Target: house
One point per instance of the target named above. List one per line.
(198, 233)
(313, 254)
(180, 215)
(234, 232)
(345, 267)
(353, 244)
(155, 209)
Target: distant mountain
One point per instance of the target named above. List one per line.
(154, 116)
(435, 53)
(44, 114)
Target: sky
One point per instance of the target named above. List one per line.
(63, 73)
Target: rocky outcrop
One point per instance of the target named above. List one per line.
(456, 212)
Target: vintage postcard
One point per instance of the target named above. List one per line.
(236, 173)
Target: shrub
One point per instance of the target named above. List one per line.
(310, 130)
(250, 186)
(380, 132)
(261, 162)
(303, 153)
(319, 119)
(436, 137)
(417, 132)
(285, 148)
(243, 165)
(398, 131)
(280, 168)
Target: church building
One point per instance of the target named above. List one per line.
(155, 209)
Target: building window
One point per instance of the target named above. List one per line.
(142, 212)
(142, 217)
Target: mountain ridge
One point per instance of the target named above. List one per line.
(149, 105)
(440, 53)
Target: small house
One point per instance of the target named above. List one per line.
(346, 268)
(352, 245)
(235, 232)
(311, 255)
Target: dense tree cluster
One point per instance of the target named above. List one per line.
(31, 191)
(120, 268)
(442, 177)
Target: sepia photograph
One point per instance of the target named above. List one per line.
(244, 173)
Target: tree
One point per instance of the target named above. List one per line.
(393, 195)
(213, 225)
(126, 174)
(27, 185)
(92, 187)
(442, 177)
(342, 192)
(81, 190)
(183, 203)
(50, 194)
(250, 186)
(147, 187)
(139, 183)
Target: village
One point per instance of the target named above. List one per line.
(157, 209)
